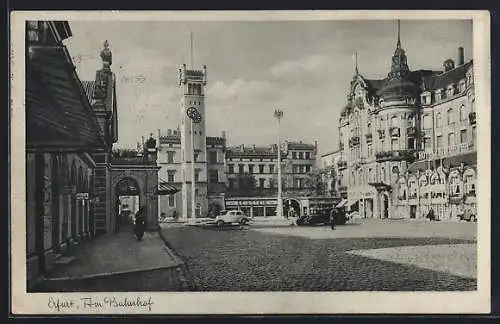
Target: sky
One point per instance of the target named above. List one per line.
(300, 67)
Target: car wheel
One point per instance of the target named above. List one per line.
(244, 221)
(219, 223)
(472, 218)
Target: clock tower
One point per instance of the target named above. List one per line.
(192, 85)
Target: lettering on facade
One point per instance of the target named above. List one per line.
(251, 203)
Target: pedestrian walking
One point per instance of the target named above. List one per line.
(140, 223)
(333, 215)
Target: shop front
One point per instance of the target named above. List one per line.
(253, 207)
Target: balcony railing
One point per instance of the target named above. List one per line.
(354, 141)
(342, 164)
(472, 118)
(396, 155)
(395, 132)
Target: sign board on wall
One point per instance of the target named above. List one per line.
(82, 195)
(250, 202)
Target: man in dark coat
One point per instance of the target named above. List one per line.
(333, 216)
(140, 223)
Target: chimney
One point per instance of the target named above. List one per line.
(254, 147)
(460, 56)
(169, 132)
(223, 134)
(242, 147)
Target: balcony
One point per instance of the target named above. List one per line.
(342, 165)
(396, 155)
(395, 132)
(354, 141)
(411, 131)
(381, 133)
(472, 118)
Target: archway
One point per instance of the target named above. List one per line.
(55, 191)
(127, 201)
(291, 207)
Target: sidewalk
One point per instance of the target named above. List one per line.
(115, 254)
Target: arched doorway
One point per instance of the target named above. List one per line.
(127, 201)
(55, 191)
(291, 206)
(385, 206)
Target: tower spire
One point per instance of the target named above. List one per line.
(191, 49)
(399, 38)
(356, 62)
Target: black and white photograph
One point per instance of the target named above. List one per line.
(211, 162)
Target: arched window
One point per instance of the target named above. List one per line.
(463, 113)
(450, 117)
(439, 120)
(394, 121)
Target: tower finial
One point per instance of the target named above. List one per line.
(356, 62)
(191, 49)
(399, 38)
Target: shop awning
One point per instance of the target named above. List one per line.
(342, 203)
(164, 188)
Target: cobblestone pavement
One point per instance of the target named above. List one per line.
(249, 260)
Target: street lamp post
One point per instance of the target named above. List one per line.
(278, 114)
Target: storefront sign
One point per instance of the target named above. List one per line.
(82, 195)
(251, 202)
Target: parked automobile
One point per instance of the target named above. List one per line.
(469, 216)
(230, 217)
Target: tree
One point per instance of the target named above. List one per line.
(245, 185)
(317, 181)
(214, 208)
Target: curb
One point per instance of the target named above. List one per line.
(177, 262)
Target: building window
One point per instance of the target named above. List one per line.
(474, 134)
(271, 168)
(439, 120)
(394, 121)
(171, 176)
(197, 175)
(262, 182)
(294, 155)
(212, 157)
(411, 121)
(451, 119)
(214, 176)
(394, 144)
(463, 113)
(308, 155)
(295, 169)
(427, 122)
(261, 168)
(171, 201)
(250, 168)
(411, 143)
(382, 174)
(170, 156)
(241, 168)
(231, 168)
(308, 168)
(439, 141)
(463, 136)
(451, 139)
(427, 143)
(196, 154)
(370, 150)
(301, 155)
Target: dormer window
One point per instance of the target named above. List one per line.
(450, 91)
(438, 95)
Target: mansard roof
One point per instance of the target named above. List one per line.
(442, 80)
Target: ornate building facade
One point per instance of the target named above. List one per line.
(408, 142)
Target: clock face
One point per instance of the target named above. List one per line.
(194, 114)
